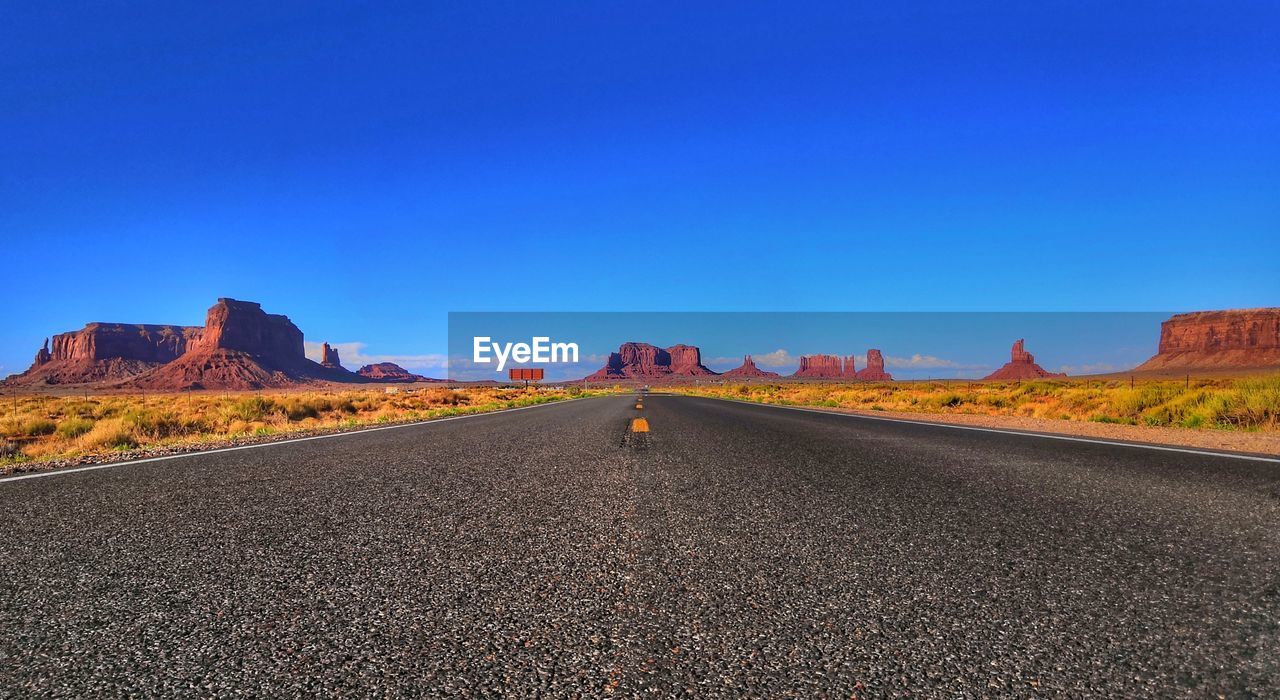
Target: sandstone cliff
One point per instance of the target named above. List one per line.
(392, 373)
(819, 367)
(686, 360)
(874, 371)
(850, 369)
(1021, 365)
(642, 361)
(242, 347)
(1230, 339)
(104, 352)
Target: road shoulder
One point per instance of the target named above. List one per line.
(1248, 443)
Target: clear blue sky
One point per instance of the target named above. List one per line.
(366, 169)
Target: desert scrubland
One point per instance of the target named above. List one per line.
(40, 429)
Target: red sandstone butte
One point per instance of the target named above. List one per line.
(819, 367)
(242, 347)
(392, 373)
(106, 352)
(1229, 339)
(749, 370)
(642, 361)
(1021, 365)
(874, 371)
(686, 360)
(850, 370)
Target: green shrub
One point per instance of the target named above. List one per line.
(251, 408)
(41, 426)
(1254, 403)
(108, 434)
(74, 427)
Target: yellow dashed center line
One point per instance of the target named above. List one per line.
(639, 425)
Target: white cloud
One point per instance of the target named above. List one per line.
(777, 358)
(918, 361)
(353, 356)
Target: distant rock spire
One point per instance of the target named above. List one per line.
(329, 357)
(42, 355)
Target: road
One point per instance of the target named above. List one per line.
(735, 550)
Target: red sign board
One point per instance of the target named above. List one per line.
(526, 374)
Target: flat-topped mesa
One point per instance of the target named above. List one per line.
(133, 341)
(1228, 339)
(819, 367)
(329, 357)
(1021, 365)
(874, 371)
(242, 347)
(642, 361)
(106, 352)
(391, 372)
(748, 369)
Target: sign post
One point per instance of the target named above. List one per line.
(526, 374)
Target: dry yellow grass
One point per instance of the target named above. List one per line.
(49, 427)
(1221, 403)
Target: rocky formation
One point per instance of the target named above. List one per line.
(42, 355)
(649, 362)
(242, 347)
(748, 370)
(102, 352)
(1021, 365)
(874, 371)
(239, 347)
(391, 372)
(850, 369)
(819, 367)
(329, 357)
(1230, 339)
(686, 361)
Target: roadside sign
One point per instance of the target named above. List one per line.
(526, 374)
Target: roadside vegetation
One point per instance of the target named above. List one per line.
(39, 428)
(1251, 404)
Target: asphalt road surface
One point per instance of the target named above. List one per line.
(732, 550)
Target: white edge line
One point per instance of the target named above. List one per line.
(1050, 436)
(344, 433)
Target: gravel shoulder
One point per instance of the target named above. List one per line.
(1261, 443)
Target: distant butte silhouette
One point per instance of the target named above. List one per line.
(1021, 365)
(748, 369)
(643, 361)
